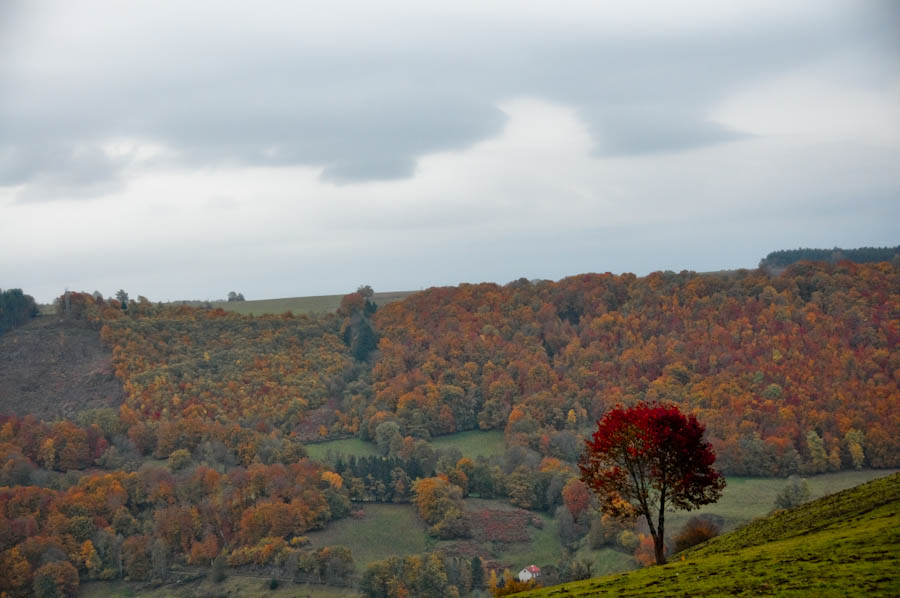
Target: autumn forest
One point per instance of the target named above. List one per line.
(205, 464)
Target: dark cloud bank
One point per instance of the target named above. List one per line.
(365, 107)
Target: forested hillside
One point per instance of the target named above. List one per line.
(205, 457)
(795, 372)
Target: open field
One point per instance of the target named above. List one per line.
(846, 544)
(301, 305)
(544, 547)
(747, 498)
(384, 530)
(473, 443)
(346, 446)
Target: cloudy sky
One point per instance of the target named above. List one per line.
(186, 149)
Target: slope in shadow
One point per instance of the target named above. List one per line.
(54, 368)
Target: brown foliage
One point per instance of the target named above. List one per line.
(695, 531)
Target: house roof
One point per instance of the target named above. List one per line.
(533, 569)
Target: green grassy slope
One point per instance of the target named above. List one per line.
(301, 305)
(846, 544)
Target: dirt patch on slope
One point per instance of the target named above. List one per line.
(54, 369)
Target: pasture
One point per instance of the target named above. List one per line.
(384, 530)
(748, 498)
(472, 444)
(301, 305)
(345, 446)
(842, 545)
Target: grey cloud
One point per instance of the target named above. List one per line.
(642, 130)
(370, 109)
(345, 171)
(59, 170)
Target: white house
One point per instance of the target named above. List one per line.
(529, 572)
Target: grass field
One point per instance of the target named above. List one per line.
(747, 498)
(301, 305)
(847, 544)
(346, 446)
(471, 444)
(474, 443)
(543, 549)
(385, 530)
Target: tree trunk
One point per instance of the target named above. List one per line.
(659, 549)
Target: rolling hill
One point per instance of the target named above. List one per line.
(846, 544)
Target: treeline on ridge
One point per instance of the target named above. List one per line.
(860, 255)
(16, 308)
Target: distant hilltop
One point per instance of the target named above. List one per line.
(778, 260)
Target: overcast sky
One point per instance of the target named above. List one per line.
(187, 149)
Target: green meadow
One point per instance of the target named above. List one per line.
(846, 544)
(383, 531)
(301, 305)
(345, 446)
(473, 443)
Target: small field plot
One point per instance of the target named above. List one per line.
(507, 536)
(383, 531)
(544, 547)
(348, 446)
(474, 443)
(301, 305)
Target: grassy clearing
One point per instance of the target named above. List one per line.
(347, 446)
(474, 443)
(543, 549)
(384, 531)
(301, 305)
(847, 544)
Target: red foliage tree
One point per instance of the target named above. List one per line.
(647, 459)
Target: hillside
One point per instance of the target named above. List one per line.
(794, 373)
(316, 304)
(791, 372)
(53, 368)
(846, 544)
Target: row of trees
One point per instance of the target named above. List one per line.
(16, 308)
(860, 255)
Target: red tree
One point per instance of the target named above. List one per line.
(647, 459)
